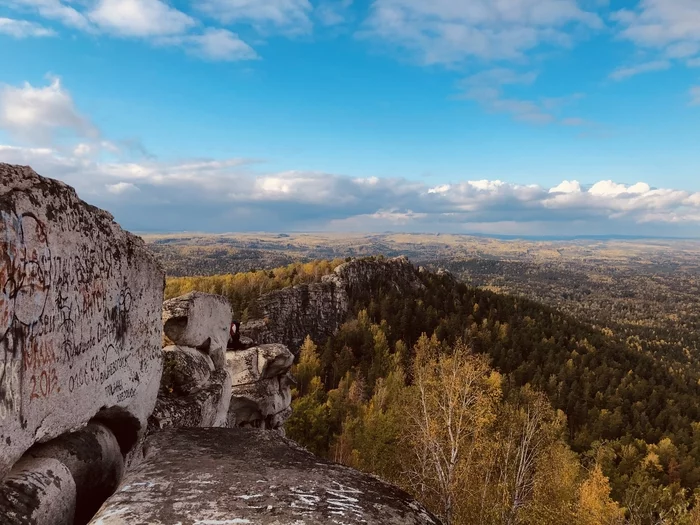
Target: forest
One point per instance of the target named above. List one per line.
(494, 409)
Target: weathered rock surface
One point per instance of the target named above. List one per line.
(185, 370)
(292, 313)
(242, 476)
(261, 394)
(195, 389)
(80, 311)
(319, 309)
(38, 491)
(260, 362)
(199, 320)
(207, 407)
(93, 457)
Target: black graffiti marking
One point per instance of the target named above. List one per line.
(112, 389)
(126, 394)
(113, 368)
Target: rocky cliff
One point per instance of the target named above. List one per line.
(319, 309)
(91, 402)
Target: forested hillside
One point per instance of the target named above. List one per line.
(496, 409)
(242, 289)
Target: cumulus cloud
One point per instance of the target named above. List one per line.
(156, 21)
(448, 31)
(288, 15)
(622, 73)
(566, 187)
(38, 115)
(139, 18)
(235, 194)
(23, 28)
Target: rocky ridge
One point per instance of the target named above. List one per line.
(319, 309)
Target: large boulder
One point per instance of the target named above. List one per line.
(205, 407)
(93, 457)
(260, 362)
(227, 476)
(80, 311)
(185, 370)
(199, 320)
(261, 386)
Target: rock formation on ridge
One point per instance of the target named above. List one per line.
(319, 309)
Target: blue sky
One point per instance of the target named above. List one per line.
(533, 117)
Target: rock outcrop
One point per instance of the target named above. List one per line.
(199, 320)
(319, 309)
(261, 395)
(195, 388)
(80, 333)
(240, 476)
(203, 385)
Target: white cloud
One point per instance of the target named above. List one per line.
(289, 15)
(154, 20)
(663, 24)
(23, 28)
(622, 73)
(608, 188)
(38, 115)
(122, 187)
(695, 96)
(54, 10)
(213, 44)
(140, 18)
(449, 31)
(567, 187)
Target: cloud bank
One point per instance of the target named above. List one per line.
(233, 195)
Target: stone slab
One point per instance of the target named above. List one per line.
(241, 476)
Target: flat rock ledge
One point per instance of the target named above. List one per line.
(244, 476)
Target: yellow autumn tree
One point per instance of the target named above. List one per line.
(308, 367)
(454, 401)
(595, 507)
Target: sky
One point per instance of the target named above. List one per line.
(509, 117)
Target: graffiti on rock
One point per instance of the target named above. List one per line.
(63, 321)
